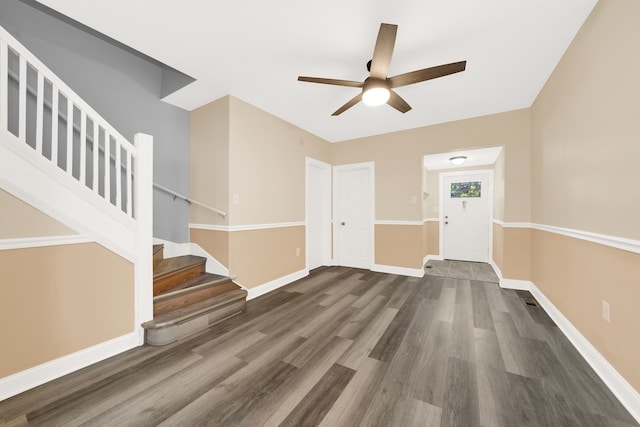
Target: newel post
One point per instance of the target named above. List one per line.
(143, 210)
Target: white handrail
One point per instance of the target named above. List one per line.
(188, 200)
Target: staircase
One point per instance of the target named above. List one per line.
(187, 299)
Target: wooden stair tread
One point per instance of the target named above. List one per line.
(203, 279)
(201, 288)
(169, 266)
(186, 313)
(157, 248)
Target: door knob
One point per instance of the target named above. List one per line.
(446, 222)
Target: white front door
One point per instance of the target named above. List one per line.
(318, 213)
(467, 200)
(353, 215)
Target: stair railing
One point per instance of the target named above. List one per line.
(45, 114)
(222, 213)
(48, 126)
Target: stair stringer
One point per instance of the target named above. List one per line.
(172, 249)
(41, 184)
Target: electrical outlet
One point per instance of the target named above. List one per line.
(606, 311)
(297, 251)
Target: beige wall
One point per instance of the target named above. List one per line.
(260, 256)
(399, 245)
(585, 150)
(433, 237)
(577, 276)
(20, 220)
(267, 166)
(498, 187)
(586, 127)
(58, 300)
(265, 174)
(209, 164)
(214, 242)
(399, 156)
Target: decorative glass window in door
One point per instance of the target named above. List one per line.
(466, 189)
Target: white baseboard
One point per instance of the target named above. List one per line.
(213, 265)
(38, 375)
(518, 285)
(402, 271)
(627, 395)
(428, 258)
(172, 249)
(274, 284)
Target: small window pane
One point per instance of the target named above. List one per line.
(466, 189)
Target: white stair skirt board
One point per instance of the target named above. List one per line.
(627, 395)
(274, 284)
(172, 249)
(38, 375)
(401, 271)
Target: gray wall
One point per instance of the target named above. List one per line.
(125, 88)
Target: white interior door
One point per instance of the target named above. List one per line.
(318, 214)
(467, 202)
(353, 215)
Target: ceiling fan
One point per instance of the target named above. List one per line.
(378, 87)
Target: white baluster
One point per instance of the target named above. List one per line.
(96, 155)
(83, 147)
(39, 112)
(55, 119)
(107, 166)
(4, 85)
(22, 100)
(129, 177)
(69, 136)
(118, 175)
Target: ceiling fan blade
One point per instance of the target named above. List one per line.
(353, 101)
(335, 82)
(398, 103)
(426, 74)
(383, 51)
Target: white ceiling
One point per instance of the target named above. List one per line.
(477, 157)
(255, 49)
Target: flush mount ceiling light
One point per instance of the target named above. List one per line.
(458, 160)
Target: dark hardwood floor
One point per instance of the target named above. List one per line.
(345, 347)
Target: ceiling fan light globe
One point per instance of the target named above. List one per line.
(375, 96)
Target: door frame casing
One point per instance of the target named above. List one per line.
(327, 234)
(372, 203)
(442, 177)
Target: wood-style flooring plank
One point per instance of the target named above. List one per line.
(346, 347)
(315, 405)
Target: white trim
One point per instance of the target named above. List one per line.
(248, 227)
(627, 395)
(38, 375)
(256, 291)
(213, 265)
(402, 271)
(324, 194)
(372, 208)
(512, 224)
(37, 242)
(431, 220)
(397, 222)
(625, 244)
(601, 239)
(442, 176)
(428, 258)
(173, 249)
(515, 284)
